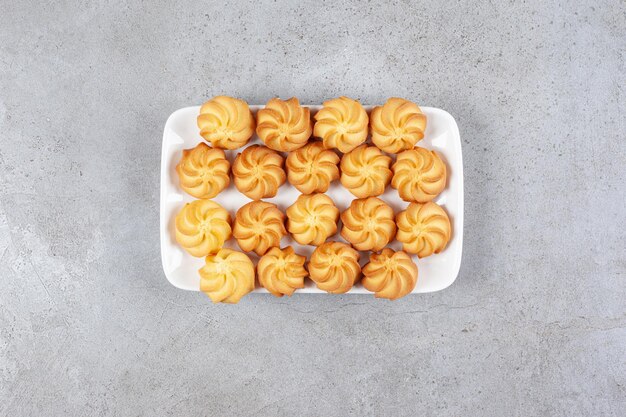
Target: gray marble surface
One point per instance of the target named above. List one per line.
(535, 324)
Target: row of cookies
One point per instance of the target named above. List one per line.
(369, 224)
(285, 125)
(418, 174)
(334, 267)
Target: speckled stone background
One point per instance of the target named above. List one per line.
(535, 324)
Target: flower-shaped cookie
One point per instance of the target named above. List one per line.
(397, 125)
(365, 171)
(423, 229)
(226, 122)
(258, 172)
(203, 171)
(202, 227)
(368, 224)
(312, 219)
(281, 271)
(419, 175)
(312, 168)
(334, 267)
(259, 225)
(342, 123)
(227, 276)
(284, 125)
(390, 274)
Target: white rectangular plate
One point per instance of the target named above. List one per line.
(436, 272)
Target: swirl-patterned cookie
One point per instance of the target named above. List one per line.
(284, 125)
(226, 122)
(368, 224)
(202, 227)
(312, 168)
(423, 229)
(258, 172)
(342, 123)
(365, 171)
(203, 171)
(334, 267)
(390, 274)
(259, 225)
(397, 125)
(419, 175)
(281, 271)
(227, 276)
(312, 219)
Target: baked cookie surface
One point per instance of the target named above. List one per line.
(281, 271)
(365, 171)
(390, 274)
(397, 125)
(342, 123)
(202, 227)
(312, 168)
(258, 226)
(312, 219)
(284, 125)
(203, 171)
(368, 224)
(419, 175)
(258, 172)
(423, 229)
(227, 276)
(334, 267)
(226, 122)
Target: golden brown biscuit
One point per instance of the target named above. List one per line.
(226, 122)
(423, 229)
(368, 224)
(312, 219)
(419, 175)
(342, 123)
(203, 171)
(281, 271)
(390, 274)
(397, 125)
(365, 171)
(259, 225)
(334, 267)
(284, 125)
(258, 172)
(227, 276)
(312, 168)
(202, 227)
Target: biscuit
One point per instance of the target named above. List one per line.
(423, 229)
(227, 276)
(365, 171)
(397, 125)
(226, 122)
(390, 274)
(342, 123)
(419, 175)
(202, 227)
(368, 224)
(258, 172)
(281, 271)
(284, 125)
(312, 219)
(203, 171)
(259, 225)
(334, 267)
(312, 168)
